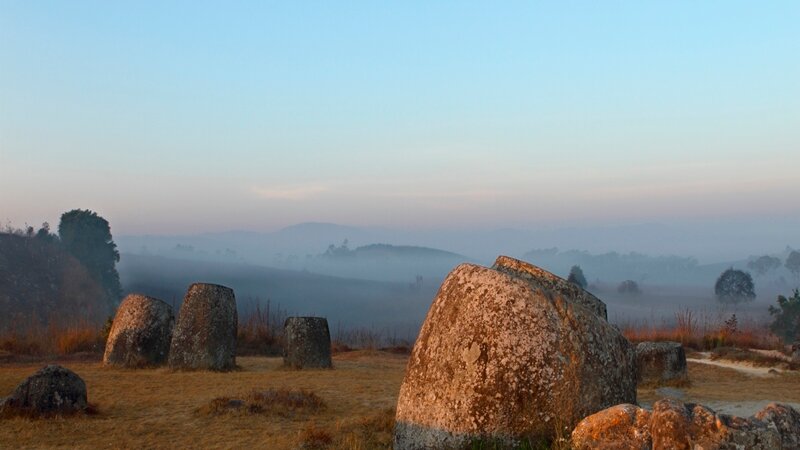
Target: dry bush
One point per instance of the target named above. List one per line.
(79, 339)
(313, 437)
(704, 331)
(281, 402)
(363, 338)
(260, 329)
(375, 431)
(32, 338)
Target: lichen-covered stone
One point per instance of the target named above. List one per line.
(308, 343)
(661, 363)
(673, 425)
(622, 427)
(205, 332)
(786, 420)
(53, 390)
(141, 333)
(547, 281)
(501, 359)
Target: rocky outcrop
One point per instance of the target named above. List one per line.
(141, 333)
(547, 281)
(661, 363)
(675, 425)
(205, 333)
(500, 358)
(308, 343)
(785, 419)
(53, 390)
(623, 427)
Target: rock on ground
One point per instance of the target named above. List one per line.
(661, 363)
(673, 425)
(205, 333)
(308, 343)
(501, 358)
(53, 390)
(141, 333)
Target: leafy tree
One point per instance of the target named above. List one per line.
(44, 233)
(764, 264)
(786, 324)
(87, 237)
(576, 276)
(629, 287)
(793, 263)
(734, 286)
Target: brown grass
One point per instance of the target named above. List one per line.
(53, 339)
(157, 408)
(282, 402)
(704, 332)
(712, 383)
(756, 359)
(260, 330)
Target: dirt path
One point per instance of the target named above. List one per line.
(739, 367)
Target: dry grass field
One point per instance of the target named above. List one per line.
(159, 408)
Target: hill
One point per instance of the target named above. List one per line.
(349, 301)
(41, 284)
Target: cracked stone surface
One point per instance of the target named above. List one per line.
(141, 333)
(502, 357)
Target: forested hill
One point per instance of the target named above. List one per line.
(40, 283)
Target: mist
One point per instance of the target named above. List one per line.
(385, 278)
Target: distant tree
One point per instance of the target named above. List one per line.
(576, 276)
(87, 237)
(629, 287)
(734, 286)
(786, 324)
(764, 264)
(793, 263)
(45, 234)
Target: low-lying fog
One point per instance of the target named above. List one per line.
(383, 279)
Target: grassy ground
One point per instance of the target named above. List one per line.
(159, 408)
(163, 409)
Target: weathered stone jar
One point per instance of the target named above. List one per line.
(504, 355)
(308, 343)
(141, 333)
(205, 333)
(661, 363)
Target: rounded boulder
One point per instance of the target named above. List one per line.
(53, 390)
(141, 333)
(308, 343)
(205, 332)
(501, 359)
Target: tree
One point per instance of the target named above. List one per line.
(764, 264)
(87, 237)
(629, 287)
(734, 286)
(786, 324)
(576, 276)
(44, 233)
(793, 263)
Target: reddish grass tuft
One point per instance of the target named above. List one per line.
(281, 402)
(705, 333)
(313, 437)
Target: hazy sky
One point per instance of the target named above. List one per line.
(188, 116)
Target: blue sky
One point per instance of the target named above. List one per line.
(195, 116)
